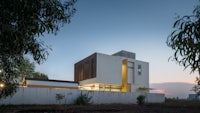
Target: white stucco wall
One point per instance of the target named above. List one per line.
(47, 96)
(143, 79)
(109, 69)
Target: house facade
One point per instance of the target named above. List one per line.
(101, 73)
(118, 72)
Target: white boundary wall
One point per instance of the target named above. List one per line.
(48, 96)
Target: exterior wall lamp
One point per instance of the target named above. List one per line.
(2, 85)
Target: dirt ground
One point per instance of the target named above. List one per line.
(168, 107)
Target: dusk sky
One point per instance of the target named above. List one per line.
(108, 26)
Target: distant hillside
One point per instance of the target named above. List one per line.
(173, 89)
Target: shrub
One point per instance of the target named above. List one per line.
(141, 100)
(83, 99)
(59, 97)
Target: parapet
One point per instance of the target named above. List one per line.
(125, 54)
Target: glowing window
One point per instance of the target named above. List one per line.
(139, 70)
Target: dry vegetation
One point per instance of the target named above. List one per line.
(171, 106)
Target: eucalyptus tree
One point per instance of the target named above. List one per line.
(185, 42)
(26, 69)
(38, 75)
(22, 25)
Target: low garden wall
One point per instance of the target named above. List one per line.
(47, 96)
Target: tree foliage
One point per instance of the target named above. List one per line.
(141, 100)
(39, 75)
(22, 23)
(83, 99)
(185, 41)
(196, 88)
(26, 69)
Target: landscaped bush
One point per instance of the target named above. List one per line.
(83, 99)
(59, 97)
(141, 100)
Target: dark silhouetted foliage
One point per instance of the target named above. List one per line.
(83, 99)
(39, 75)
(141, 100)
(22, 23)
(26, 69)
(185, 41)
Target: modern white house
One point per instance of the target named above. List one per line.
(98, 76)
(118, 72)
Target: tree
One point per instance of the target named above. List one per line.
(185, 41)
(196, 88)
(22, 23)
(26, 69)
(39, 75)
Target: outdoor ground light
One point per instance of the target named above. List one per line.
(2, 85)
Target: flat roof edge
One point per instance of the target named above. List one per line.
(50, 80)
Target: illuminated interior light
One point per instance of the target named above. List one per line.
(124, 75)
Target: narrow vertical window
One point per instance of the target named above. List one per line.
(139, 70)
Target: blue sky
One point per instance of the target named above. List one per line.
(108, 26)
